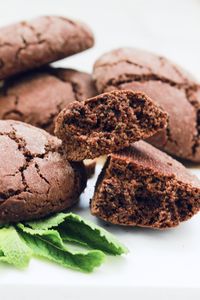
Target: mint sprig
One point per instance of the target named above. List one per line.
(73, 228)
(52, 238)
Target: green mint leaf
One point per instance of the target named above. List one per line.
(52, 238)
(73, 228)
(48, 244)
(13, 249)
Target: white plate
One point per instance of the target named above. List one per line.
(160, 265)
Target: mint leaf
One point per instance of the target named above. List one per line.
(49, 235)
(13, 249)
(53, 239)
(73, 228)
(48, 244)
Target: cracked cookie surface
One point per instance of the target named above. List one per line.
(35, 178)
(142, 186)
(167, 84)
(31, 44)
(37, 97)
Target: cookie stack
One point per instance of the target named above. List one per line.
(35, 178)
(132, 96)
(37, 96)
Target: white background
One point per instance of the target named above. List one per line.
(161, 265)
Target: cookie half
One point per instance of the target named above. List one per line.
(31, 44)
(176, 91)
(36, 180)
(38, 96)
(142, 186)
(107, 123)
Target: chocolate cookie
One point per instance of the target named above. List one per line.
(37, 97)
(142, 186)
(35, 178)
(171, 87)
(107, 123)
(27, 45)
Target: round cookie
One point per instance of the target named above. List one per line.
(37, 97)
(30, 44)
(168, 85)
(35, 178)
(142, 186)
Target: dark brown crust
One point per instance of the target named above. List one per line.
(172, 88)
(37, 97)
(142, 186)
(35, 178)
(129, 64)
(82, 84)
(31, 44)
(107, 123)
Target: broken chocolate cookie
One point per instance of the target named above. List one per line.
(31, 44)
(38, 96)
(107, 123)
(176, 91)
(142, 186)
(35, 177)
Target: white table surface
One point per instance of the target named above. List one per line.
(161, 264)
